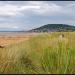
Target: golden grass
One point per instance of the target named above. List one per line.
(5, 41)
(45, 53)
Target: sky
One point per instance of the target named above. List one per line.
(26, 15)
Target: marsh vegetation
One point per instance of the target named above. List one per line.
(45, 53)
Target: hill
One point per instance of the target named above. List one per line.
(54, 28)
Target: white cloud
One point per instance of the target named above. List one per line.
(15, 27)
(9, 26)
(36, 7)
(8, 10)
(40, 8)
(27, 7)
(48, 9)
(43, 8)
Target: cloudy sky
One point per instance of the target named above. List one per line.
(26, 15)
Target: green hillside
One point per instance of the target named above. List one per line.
(54, 27)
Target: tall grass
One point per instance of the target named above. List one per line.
(43, 54)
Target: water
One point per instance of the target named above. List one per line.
(13, 34)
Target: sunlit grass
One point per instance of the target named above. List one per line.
(46, 53)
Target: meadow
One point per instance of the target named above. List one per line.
(45, 53)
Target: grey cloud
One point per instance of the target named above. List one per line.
(19, 15)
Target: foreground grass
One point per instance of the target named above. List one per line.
(44, 54)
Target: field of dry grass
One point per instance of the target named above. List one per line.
(46, 53)
(11, 40)
(8, 40)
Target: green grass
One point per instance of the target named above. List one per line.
(43, 54)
